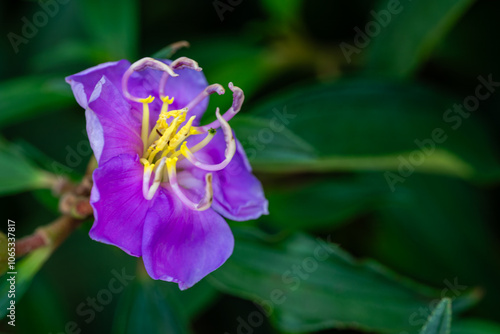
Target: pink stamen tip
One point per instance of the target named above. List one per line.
(215, 88)
(238, 98)
(184, 62)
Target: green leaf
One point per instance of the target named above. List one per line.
(439, 321)
(17, 174)
(475, 326)
(26, 270)
(144, 308)
(308, 285)
(409, 37)
(43, 319)
(449, 217)
(373, 125)
(194, 300)
(26, 97)
(113, 25)
(277, 147)
(330, 202)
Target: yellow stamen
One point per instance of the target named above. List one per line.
(181, 135)
(171, 165)
(166, 103)
(205, 141)
(145, 120)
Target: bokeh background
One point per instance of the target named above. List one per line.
(389, 149)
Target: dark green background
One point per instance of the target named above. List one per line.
(324, 175)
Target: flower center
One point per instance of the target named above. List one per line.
(163, 141)
(165, 144)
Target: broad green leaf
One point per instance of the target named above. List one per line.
(439, 321)
(371, 125)
(308, 285)
(45, 319)
(330, 202)
(145, 309)
(113, 25)
(17, 174)
(193, 300)
(265, 143)
(26, 97)
(409, 33)
(25, 270)
(475, 326)
(448, 217)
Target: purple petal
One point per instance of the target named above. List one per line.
(83, 83)
(112, 125)
(238, 194)
(182, 245)
(119, 205)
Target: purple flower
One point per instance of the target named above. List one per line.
(163, 180)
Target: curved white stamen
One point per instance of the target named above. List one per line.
(229, 153)
(178, 64)
(238, 98)
(185, 62)
(205, 202)
(139, 66)
(157, 180)
(215, 88)
(208, 138)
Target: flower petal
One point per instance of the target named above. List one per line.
(112, 126)
(182, 245)
(119, 205)
(83, 83)
(238, 194)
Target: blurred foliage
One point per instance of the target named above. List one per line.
(350, 121)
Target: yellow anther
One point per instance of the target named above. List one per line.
(166, 100)
(148, 99)
(195, 131)
(184, 149)
(166, 103)
(181, 135)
